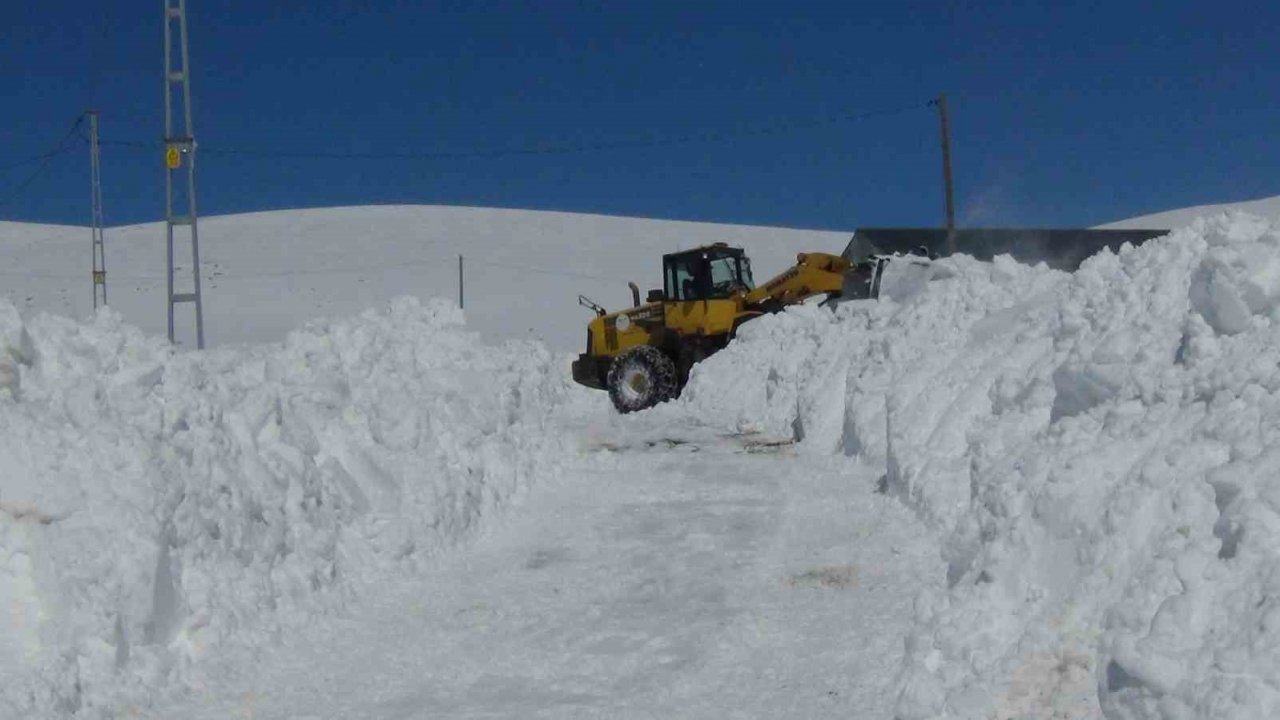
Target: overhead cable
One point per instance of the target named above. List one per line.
(713, 136)
(45, 159)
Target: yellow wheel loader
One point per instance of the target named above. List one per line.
(643, 355)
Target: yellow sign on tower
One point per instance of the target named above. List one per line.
(173, 158)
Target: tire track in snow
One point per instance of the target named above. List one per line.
(680, 579)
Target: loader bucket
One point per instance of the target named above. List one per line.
(1061, 249)
(868, 262)
(862, 279)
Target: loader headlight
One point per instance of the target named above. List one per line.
(622, 323)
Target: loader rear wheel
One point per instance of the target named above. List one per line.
(641, 378)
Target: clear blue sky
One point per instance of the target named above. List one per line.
(1068, 115)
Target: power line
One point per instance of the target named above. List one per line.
(132, 144)
(27, 161)
(57, 149)
(776, 128)
(45, 159)
(366, 269)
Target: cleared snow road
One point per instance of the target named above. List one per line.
(689, 575)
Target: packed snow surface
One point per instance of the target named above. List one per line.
(999, 491)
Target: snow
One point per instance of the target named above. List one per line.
(701, 577)
(264, 274)
(1094, 450)
(999, 491)
(1267, 208)
(157, 504)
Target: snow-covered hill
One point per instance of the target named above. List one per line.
(1268, 208)
(267, 273)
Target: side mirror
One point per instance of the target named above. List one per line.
(585, 302)
(655, 296)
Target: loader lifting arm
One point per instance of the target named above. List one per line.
(813, 274)
(836, 276)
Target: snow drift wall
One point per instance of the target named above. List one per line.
(156, 504)
(1100, 452)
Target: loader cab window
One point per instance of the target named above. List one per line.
(730, 272)
(682, 281)
(706, 274)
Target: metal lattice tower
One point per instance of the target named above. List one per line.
(95, 180)
(180, 149)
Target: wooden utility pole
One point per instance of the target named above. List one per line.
(941, 102)
(95, 182)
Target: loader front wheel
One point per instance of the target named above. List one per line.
(640, 378)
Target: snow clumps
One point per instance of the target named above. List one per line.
(1099, 451)
(155, 504)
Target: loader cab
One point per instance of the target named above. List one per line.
(706, 273)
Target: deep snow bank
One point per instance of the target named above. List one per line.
(1098, 449)
(154, 505)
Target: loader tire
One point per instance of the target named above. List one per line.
(640, 378)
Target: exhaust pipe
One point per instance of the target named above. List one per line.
(635, 294)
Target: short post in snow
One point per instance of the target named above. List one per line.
(460, 295)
